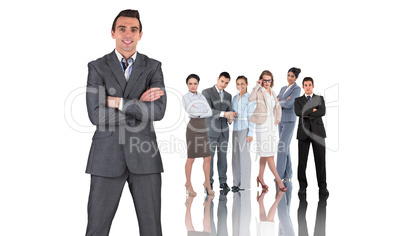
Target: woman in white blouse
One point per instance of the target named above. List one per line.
(266, 116)
(198, 109)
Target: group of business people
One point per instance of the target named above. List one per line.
(125, 95)
(261, 111)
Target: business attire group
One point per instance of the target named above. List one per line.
(266, 113)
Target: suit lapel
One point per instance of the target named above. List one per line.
(137, 70)
(288, 92)
(215, 94)
(116, 69)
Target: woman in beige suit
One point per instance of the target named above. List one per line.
(266, 116)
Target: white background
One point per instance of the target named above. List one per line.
(46, 135)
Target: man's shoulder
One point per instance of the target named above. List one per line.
(318, 96)
(299, 98)
(148, 61)
(102, 60)
(207, 90)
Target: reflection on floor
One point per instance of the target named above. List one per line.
(245, 210)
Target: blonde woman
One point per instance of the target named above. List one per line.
(266, 116)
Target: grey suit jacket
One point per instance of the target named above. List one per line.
(288, 111)
(124, 139)
(217, 124)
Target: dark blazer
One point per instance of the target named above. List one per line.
(217, 124)
(124, 139)
(312, 124)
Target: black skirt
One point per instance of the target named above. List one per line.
(197, 138)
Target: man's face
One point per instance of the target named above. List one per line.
(222, 82)
(127, 34)
(308, 87)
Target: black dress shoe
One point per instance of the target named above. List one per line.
(323, 194)
(236, 189)
(224, 191)
(302, 194)
(224, 187)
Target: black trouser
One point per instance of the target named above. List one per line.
(319, 159)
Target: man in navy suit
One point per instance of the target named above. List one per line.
(310, 109)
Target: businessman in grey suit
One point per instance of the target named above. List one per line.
(124, 96)
(220, 102)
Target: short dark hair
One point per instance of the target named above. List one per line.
(295, 71)
(308, 79)
(193, 76)
(267, 72)
(225, 74)
(127, 13)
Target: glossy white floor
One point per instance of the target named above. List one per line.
(174, 208)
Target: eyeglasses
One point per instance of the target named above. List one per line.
(266, 81)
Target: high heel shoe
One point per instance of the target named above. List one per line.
(189, 192)
(207, 191)
(283, 189)
(262, 193)
(262, 185)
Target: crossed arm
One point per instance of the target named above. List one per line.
(313, 112)
(102, 109)
(291, 99)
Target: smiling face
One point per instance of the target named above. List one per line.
(127, 34)
(241, 85)
(291, 78)
(192, 85)
(222, 83)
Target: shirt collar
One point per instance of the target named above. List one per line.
(245, 95)
(309, 95)
(193, 94)
(120, 57)
(217, 89)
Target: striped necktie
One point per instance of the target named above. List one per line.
(126, 67)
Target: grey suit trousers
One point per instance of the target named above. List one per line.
(104, 199)
(219, 144)
(285, 222)
(222, 228)
(241, 160)
(284, 160)
(241, 213)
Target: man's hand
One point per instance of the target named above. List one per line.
(314, 109)
(113, 102)
(152, 94)
(287, 99)
(230, 115)
(249, 139)
(279, 99)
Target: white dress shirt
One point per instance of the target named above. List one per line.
(126, 72)
(196, 105)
